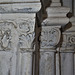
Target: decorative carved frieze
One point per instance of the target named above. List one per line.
(24, 27)
(71, 39)
(68, 43)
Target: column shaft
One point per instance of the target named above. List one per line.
(67, 61)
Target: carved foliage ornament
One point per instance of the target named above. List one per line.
(50, 36)
(25, 28)
(71, 39)
(26, 25)
(27, 35)
(5, 35)
(26, 41)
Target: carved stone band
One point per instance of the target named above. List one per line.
(68, 43)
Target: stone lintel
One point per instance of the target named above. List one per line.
(19, 1)
(20, 7)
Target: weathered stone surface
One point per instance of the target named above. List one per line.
(57, 62)
(46, 63)
(20, 7)
(68, 43)
(7, 33)
(57, 15)
(57, 11)
(56, 21)
(26, 61)
(25, 66)
(11, 1)
(50, 36)
(55, 3)
(7, 63)
(67, 66)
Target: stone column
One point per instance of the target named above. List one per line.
(17, 25)
(25, 50)
(67, 49)
(55, 3)
(72, 29)
(50, 36)
(67, 53)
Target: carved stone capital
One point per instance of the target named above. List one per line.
(26, 32)
(21, 27)
(50, 36)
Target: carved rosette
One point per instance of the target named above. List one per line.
(71, 39)
(68, 41)
(50, 36)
